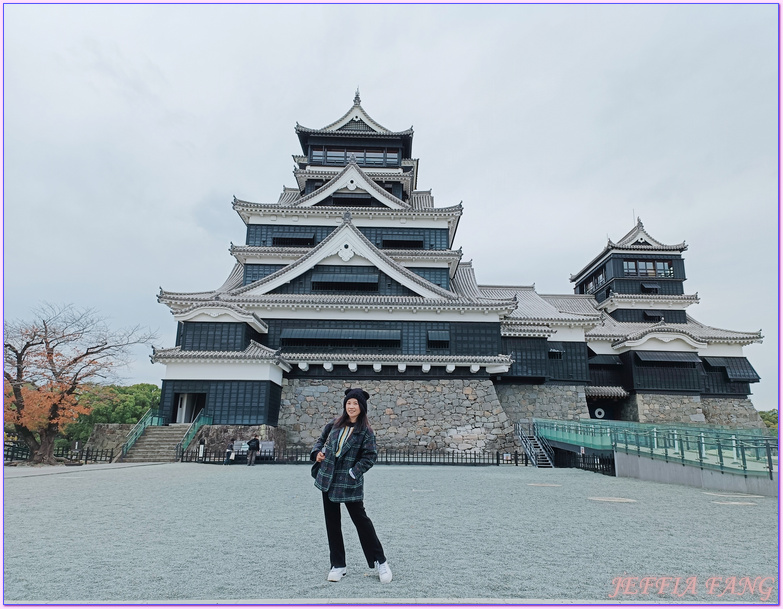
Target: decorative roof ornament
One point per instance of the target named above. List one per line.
(347, 217)
(356, 99)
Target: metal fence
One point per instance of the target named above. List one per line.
(743, 451)
(18, 451)
(15, 451)
(87, 455)
(295, 454)
(749, 456)
(593, 463)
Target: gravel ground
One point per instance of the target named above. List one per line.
(189, 532)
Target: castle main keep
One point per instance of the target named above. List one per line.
(352, 278)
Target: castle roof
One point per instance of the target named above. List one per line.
(255, 353)
(636, 240)
(355, 122)
(328, 172)
(246, 253)
(352, 178)
(540, 310)
(630, 334)
(346, 242)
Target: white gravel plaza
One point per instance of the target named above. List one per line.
(189, 533)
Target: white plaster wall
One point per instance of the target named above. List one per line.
(228, 371)
(569, 335)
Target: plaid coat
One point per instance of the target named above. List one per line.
(359, 453)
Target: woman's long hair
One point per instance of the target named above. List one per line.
(362, 422)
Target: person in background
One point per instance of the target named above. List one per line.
(229, 452)
(252, 450)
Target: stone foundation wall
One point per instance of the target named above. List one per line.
(109, 436)
(217, 437)
(462, 415)
(523, 402)
(732, 412)
(663, 408)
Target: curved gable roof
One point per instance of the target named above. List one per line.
(357, 120)
(638, 240)
(352, 177)
(347, 241)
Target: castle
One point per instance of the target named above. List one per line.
(352, 279)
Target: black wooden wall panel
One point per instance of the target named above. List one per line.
(439, 277)
(254, 272)
(432, 238)
(631, 285)
(529, 355)
(716, 384)
(216, 336)
(661, 376)
(303, 283)
(464, 338)
(606, 376)
(572, 367)
(229, 402)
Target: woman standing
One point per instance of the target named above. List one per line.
(346, 450)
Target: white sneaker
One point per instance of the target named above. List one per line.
(336, 574)
(384, 572)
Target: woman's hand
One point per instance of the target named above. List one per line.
(320, 457)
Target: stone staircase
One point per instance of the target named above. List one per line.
(157, 444)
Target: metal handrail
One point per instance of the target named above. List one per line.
(550, 453)
(138, 429)
(718, 449)
(529, 450)
(526, 445)
(198, 423)
(597, 424)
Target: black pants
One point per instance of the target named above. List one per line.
(371, 545)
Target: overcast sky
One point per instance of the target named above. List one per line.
(128, 129)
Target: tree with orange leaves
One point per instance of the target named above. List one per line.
(49, 360)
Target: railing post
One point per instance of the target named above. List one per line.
(720, 454)
(497, 457)
(516, 457)
(682, 451)
(666, 449)
(701, 450)
(744, 464)
(769, 458)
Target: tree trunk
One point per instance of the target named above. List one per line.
(28, 438)
(45, 452)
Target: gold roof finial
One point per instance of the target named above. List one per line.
(357, 100)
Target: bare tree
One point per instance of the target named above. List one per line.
(49, 359)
